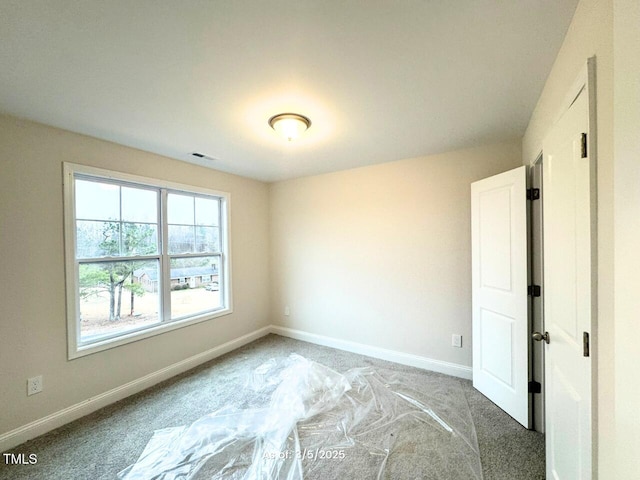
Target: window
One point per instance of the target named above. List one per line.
(135, 251)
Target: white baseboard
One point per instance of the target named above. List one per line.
(43, 425)
(425, 363)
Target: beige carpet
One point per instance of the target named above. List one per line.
(110, 440)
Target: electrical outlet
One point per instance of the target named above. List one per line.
(456, 340)
(286, 311)
(34, 385)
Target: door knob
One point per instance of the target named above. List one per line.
(538, 337)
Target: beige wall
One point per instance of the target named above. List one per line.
(381, 255)
(590, 33)
(378, 255)
(627, 235)
(32, 319)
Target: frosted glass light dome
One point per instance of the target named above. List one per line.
(289, 125)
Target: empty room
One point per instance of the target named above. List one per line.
(314, 240)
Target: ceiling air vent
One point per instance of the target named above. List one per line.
(202, 155)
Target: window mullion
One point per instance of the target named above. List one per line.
(135, 258)
(120, 224)
(165, 262)
(195, 240)
(195, 255)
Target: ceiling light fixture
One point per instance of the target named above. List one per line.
(289, 125)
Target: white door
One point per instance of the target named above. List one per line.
(567, 299)
(499, 278)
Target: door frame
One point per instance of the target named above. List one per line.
(586, 81)
(536, 304)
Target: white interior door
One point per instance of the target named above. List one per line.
(500, 302)
(568, 294)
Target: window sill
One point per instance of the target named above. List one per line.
(99, 346)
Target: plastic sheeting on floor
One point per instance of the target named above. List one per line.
(318, 423)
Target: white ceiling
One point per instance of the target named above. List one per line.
(381, 80)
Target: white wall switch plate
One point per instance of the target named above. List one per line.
(456, 340)
(286, 311)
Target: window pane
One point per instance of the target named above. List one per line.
(117, 297)
(139, 239)
(97, 239)
(180, 209)
(139, 205)
(181, 239)
(207, 211)
(195, 285)
(207, 240)
(97, 201)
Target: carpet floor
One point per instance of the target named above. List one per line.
(104, 443)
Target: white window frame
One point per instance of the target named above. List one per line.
(75, 347)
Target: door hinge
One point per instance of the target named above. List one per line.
(585, 344)
(533, 194)
(583, 142)
(535, 387)
(534, 290)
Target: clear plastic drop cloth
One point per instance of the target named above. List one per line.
(315, 423)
